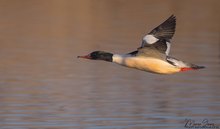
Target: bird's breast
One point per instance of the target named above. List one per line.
(149, 64)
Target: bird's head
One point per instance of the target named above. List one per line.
(98, 55)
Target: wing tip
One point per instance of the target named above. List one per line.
(172, 17)
(171, 20)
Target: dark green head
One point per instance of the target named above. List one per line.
(98, 55)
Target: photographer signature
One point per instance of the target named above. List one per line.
(204, 124)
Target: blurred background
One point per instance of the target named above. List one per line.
(44, 85)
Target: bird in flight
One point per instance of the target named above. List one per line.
(153, 54)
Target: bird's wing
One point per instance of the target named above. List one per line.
(161, 34)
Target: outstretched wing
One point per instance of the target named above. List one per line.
(161, 35)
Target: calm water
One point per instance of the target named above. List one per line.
(44, 85)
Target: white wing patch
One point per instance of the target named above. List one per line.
(168, 48)
(150, 39)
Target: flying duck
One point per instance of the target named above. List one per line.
(153, 54)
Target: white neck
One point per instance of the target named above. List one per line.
(118, 58)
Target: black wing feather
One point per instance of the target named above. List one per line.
(165, 30)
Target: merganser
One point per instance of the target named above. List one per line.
(153, 55)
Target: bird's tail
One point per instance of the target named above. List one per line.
(197, 67)
(184, 66)
(192, 67)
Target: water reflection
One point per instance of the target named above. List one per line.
(43, 85)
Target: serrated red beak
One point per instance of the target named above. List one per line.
(85, 57)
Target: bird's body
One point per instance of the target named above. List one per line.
(153, 55)
(149, 64)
